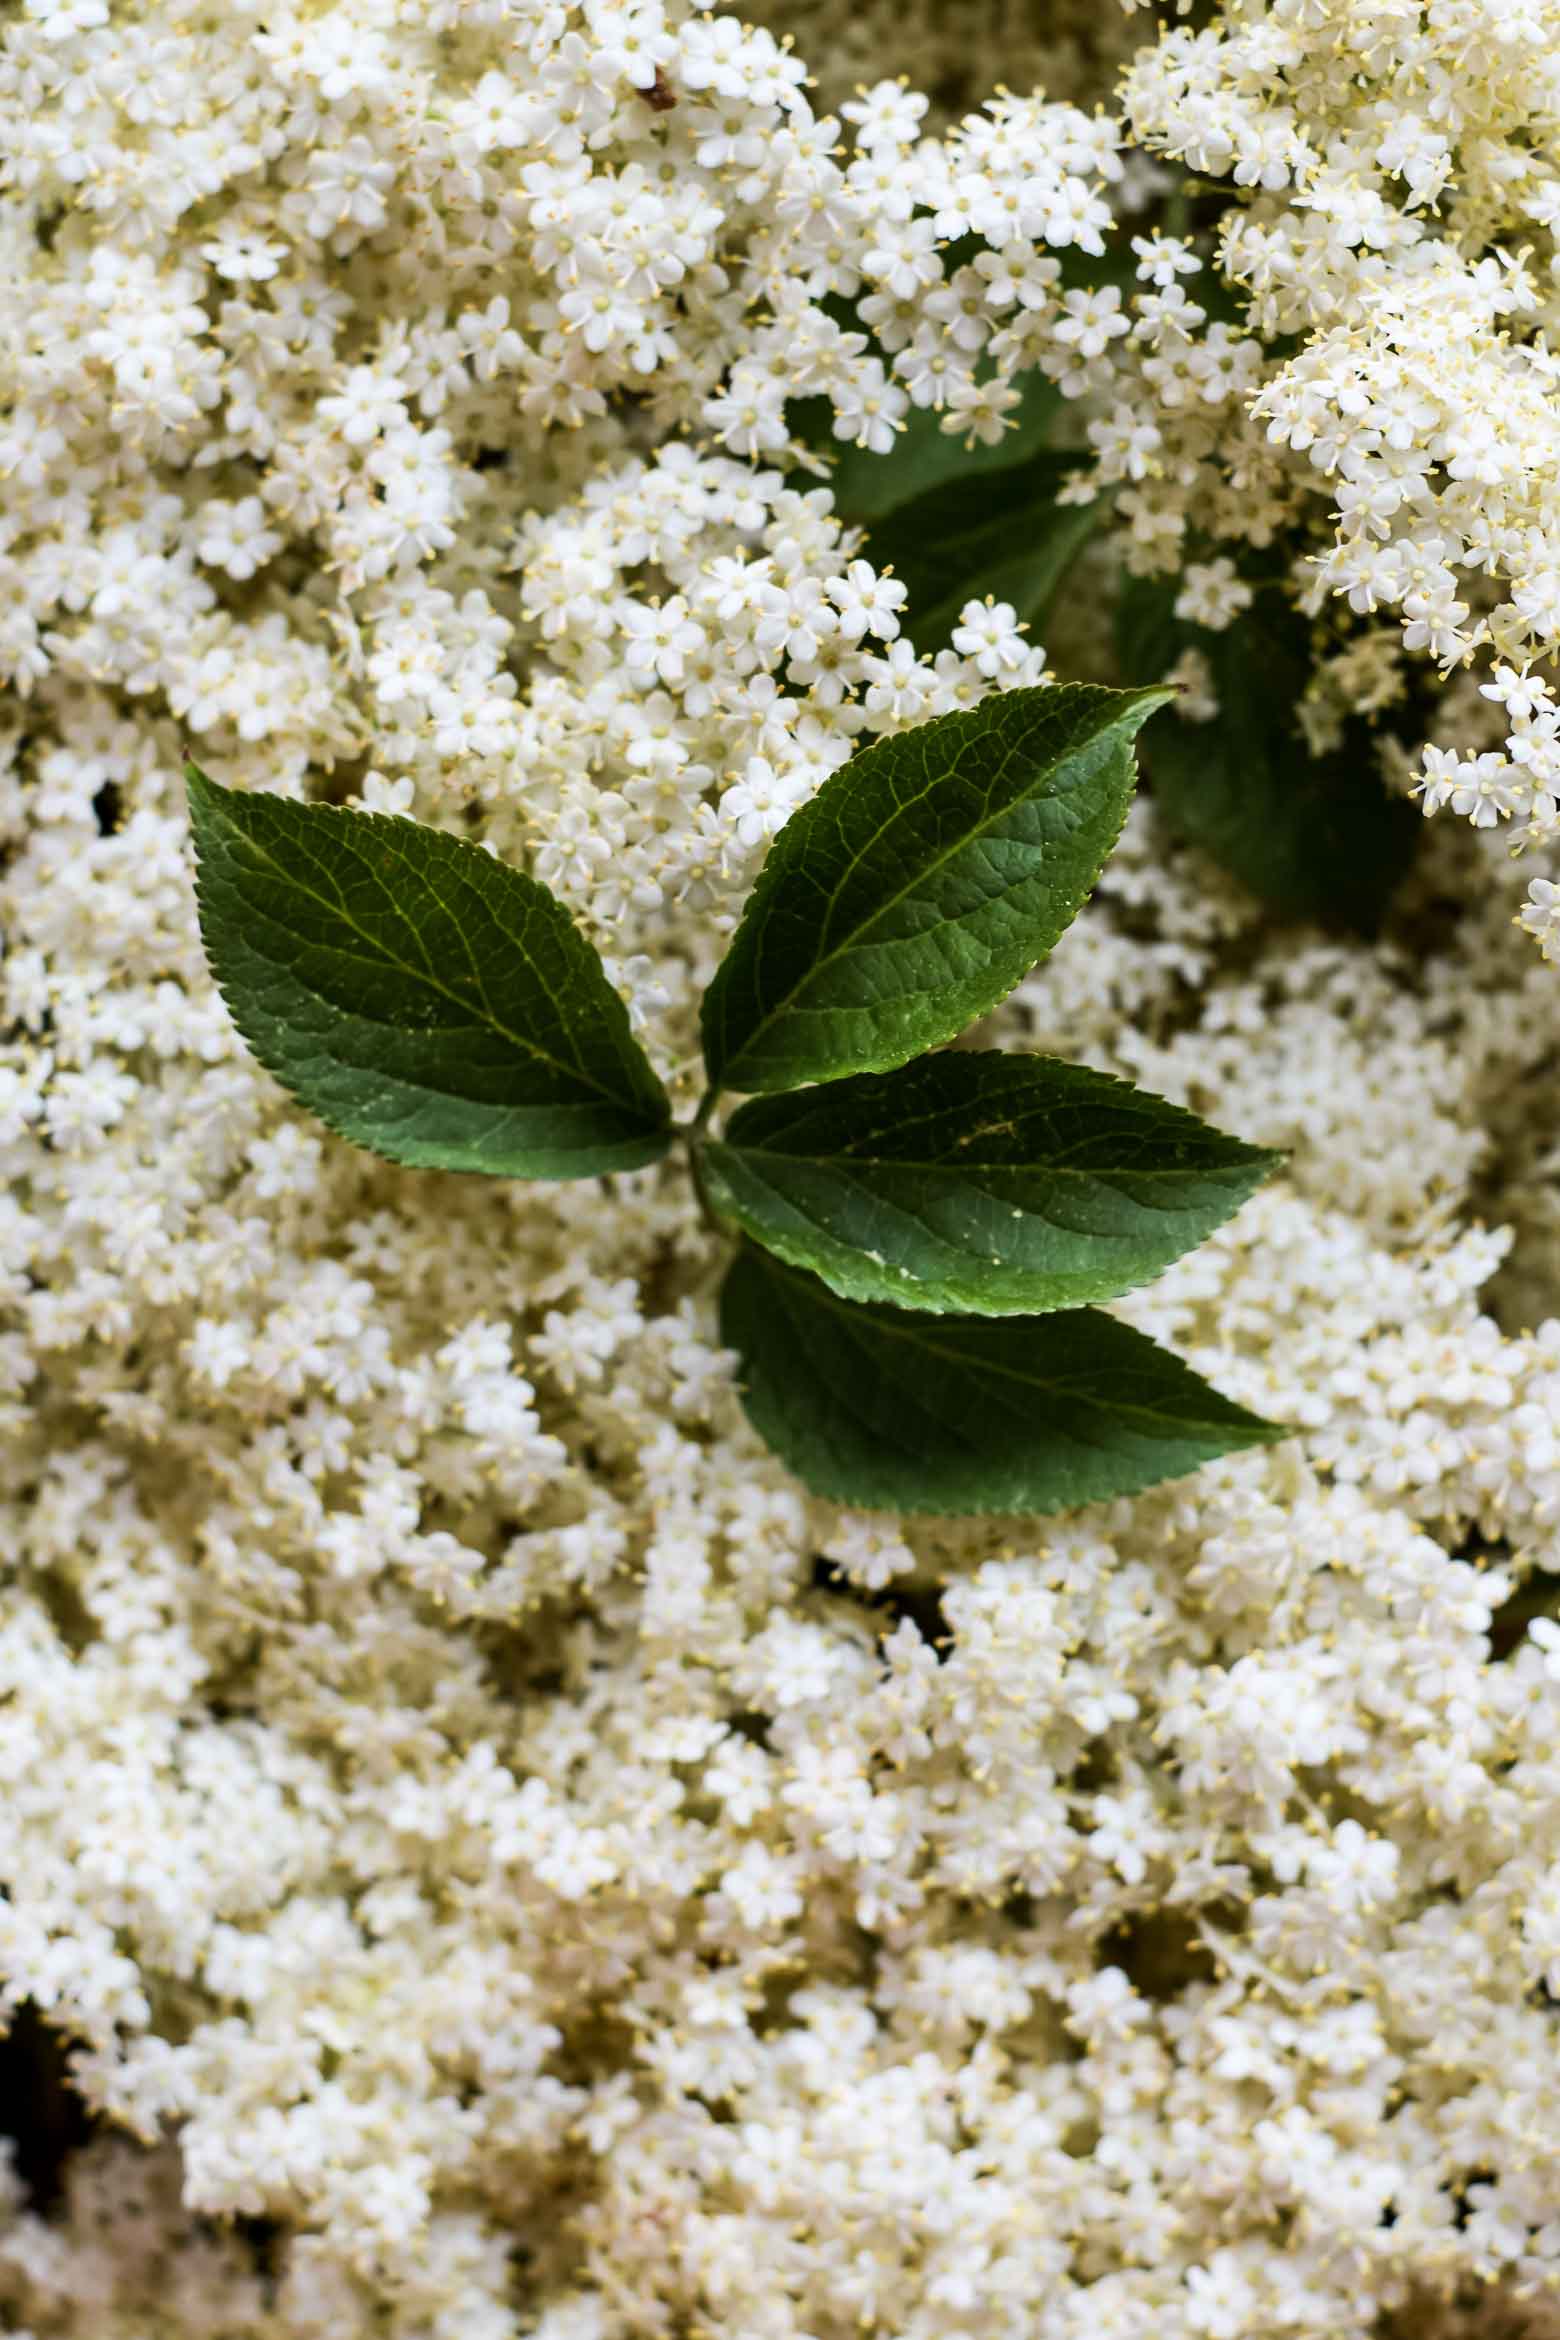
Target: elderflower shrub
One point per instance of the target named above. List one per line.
(504, 1861)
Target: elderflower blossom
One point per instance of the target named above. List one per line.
(500, 1859)
(1393, 208)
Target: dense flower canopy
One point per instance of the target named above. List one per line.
(504, 1861)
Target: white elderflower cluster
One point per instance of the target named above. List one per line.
(1392, 239)
(503, 1863)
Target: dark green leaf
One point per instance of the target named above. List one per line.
(423, 999)
(894, 1410)
(1316, 836)
(1002, 535)
(920, 884)
(924, 457)
(999, 1185)
(955, 518)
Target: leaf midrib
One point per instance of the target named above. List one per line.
(844, 1161)
(913, 1337)
(921, 877)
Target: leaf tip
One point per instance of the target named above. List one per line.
(1148, 700)
(1259, 1161)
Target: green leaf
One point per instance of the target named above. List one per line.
(421, 998)
(1316, 836)
(894, 1410)
(1000, 1185)
(954, 521)
(1002, 535)
(924, 457)
(920, 884)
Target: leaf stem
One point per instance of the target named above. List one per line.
(706, 1107)
(707, 1211)
(689, 1133)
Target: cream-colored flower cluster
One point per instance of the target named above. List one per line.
(1393, 235)
(503, 1861)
